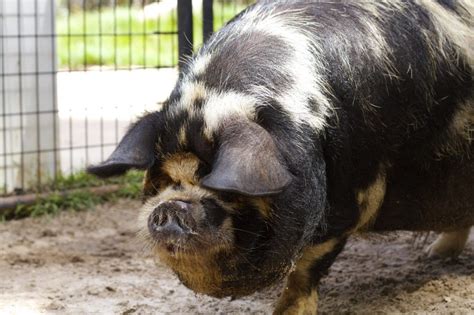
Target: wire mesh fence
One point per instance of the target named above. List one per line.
(75, 73)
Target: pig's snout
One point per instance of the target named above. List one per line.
(171, 221)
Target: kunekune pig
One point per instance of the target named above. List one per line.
(298, 124)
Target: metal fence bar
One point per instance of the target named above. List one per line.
(37, 96)
(57, 166)
(4, 188)
(20, 95)
(207, 19)
(185, 30)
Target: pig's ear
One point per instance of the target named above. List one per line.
(136, 150)
(248, 162)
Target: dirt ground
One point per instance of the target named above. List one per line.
(92, 263)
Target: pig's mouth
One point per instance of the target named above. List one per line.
(220, 269)
(222, 274)
(191, 247)
(173, 249)
(190, 243)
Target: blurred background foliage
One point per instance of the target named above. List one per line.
(127, 33)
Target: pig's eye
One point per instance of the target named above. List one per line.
(177, 186)
(203, 169)
(229, 196)
(165, 180)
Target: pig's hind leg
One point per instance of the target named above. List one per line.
(300, 295)
(449, 244)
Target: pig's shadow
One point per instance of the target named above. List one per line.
(377, 275)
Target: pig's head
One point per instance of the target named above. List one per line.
(228, 208)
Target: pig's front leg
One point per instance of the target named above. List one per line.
(300, 295)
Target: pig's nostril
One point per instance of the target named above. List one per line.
(163, 224)
(156, 219)
(171, 220)
(162, 218)
(177, 221)
(181, 223)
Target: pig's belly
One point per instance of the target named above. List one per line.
(438, 197)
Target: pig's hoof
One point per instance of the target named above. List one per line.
(291, 304)
(448, 244)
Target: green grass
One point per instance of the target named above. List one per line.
(78, 200)
(87, 38)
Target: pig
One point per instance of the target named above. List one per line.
(297, 125)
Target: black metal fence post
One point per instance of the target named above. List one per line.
(207, 19)
(185, 30)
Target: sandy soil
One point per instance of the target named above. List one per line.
(91, 262)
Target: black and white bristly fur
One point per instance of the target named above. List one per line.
(302, 122)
